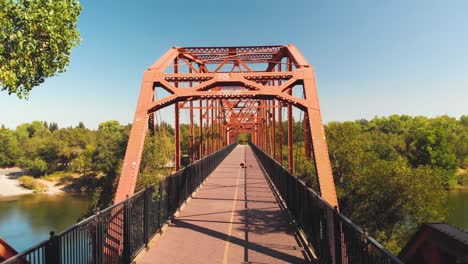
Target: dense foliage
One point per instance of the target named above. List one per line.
(396, 167)
(42, 148)
(36, 38)
(391, 172)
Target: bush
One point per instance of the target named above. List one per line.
(462, 179)
(36, 167)
(31, 183)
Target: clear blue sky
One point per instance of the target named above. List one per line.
(371, 58)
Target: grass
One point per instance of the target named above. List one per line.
(73, 181)
(57, 176)
(31, 183)
(62, 177)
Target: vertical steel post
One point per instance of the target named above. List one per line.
(216, 118)
(280, 132)
(267, 127)
(307, 139)
(177, 137)
(274, 129)
(192, 151)
(177, 122)
(52, 249)
(272, 125)
(208, 128)
(212, 127)
(200, 132)
(290, 129)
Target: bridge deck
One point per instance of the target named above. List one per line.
(233, 218)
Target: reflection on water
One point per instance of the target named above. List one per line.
(458, 208)
(27, 220)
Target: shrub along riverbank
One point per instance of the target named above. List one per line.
(31, 183)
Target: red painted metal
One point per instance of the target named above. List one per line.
(273, 116)
(192, 129)
(238, 90)
(177, 136)
(7, 251)
(200, 131)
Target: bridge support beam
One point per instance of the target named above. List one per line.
(177, 136)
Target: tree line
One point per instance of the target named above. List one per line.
(391, 172)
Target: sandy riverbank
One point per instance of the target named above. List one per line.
(9, 185)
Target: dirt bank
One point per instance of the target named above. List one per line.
(9, 185)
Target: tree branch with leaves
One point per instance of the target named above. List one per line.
(36, 38)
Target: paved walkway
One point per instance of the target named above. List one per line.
(233, 218)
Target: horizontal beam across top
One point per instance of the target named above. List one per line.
(297, 102)
(198, 77)
(239, 49)
(233, 107)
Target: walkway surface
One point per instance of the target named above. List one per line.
(233, 218)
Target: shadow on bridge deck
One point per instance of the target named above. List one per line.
(233, 218)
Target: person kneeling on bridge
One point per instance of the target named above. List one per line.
(242, 164)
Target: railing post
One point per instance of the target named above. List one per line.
(365, 253)
(52, 250)
(126, 245)
(337, 236)
(160, 197)
(99, 240)
(146, 202)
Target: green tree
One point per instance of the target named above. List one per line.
(10, 150)
(461, 142)
(35, 167)
(84, 161)
(111, 143)
(378, 168)
(430, 142)
(110, 126)
(36, 38)
(53, 127)
(35, 129)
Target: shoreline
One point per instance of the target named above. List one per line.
(459, 187)
(10, 187)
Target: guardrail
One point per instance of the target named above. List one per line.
(333, 237)
(137, 220)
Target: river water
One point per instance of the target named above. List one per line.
(27, 219)
(458, 208)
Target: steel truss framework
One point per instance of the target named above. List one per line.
(234, 90)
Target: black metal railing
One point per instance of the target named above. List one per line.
(332, 236)
(118, 233)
